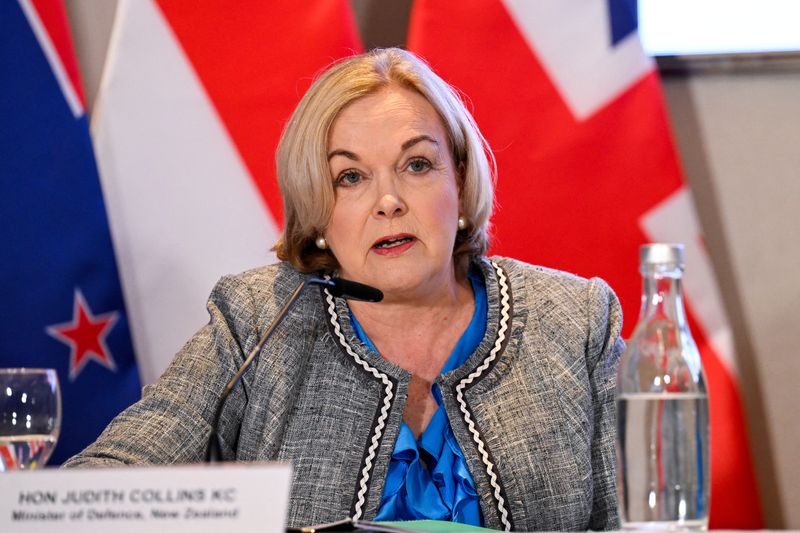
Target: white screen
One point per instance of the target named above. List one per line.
(682, 27)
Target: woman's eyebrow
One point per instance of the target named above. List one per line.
(405, 146)
(345, 153)
(419, 138)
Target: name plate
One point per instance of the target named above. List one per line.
(245, 496)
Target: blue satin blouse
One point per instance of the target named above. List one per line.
(428, 479)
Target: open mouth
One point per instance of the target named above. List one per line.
(393, 242)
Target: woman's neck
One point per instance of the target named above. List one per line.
(418, 334)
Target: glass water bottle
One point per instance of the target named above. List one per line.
(662, 407)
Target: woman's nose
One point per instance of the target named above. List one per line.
(389, 203)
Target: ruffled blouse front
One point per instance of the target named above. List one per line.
(428, 479)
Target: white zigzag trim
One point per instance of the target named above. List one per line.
(387, 404)
(501, 335)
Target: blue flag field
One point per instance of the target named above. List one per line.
(62, 304)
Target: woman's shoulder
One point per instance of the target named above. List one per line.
(540, 278)
(569, 309)
(271, 280)
(281, 273)
(558, 293)
(255, 293)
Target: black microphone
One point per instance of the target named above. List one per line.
(353, 290)
(336, 286)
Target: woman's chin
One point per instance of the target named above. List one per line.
(405, 277)
(399, 286)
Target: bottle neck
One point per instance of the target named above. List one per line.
(662, 296)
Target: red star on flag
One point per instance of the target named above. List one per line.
(86, 336)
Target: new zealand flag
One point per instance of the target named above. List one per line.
(62, 304)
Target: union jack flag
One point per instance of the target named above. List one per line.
(588, 172)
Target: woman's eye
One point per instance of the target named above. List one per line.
(348, 178)
(419, 165)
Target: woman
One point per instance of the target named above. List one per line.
(478, 390)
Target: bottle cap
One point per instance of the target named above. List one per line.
(661, 254)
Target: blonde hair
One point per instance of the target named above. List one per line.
(302, 162)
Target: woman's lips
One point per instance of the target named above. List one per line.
(393, 244)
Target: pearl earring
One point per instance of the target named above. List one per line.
(462, 223)
(322, 244)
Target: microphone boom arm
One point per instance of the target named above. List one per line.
(214, 448)
(339, 287)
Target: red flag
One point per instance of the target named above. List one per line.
(588, 172)
(193, 100)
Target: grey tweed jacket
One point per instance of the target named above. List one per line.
(532, 408)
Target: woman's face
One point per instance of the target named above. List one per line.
(395, 217)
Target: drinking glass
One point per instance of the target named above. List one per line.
(30, 417)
